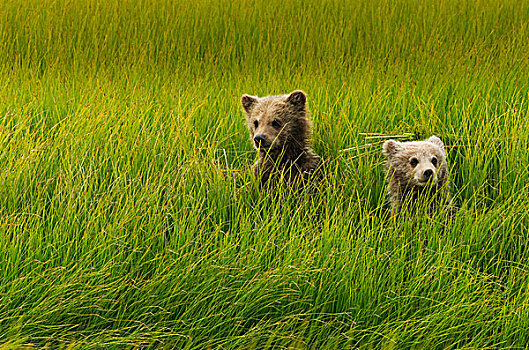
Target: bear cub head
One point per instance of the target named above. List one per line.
(281, 132)
(276, 122)
(417, 171)
(418, 163)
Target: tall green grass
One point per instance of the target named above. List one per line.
(130, 216)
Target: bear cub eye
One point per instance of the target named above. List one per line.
(414, 162)
(256, 123)
(276, 124)
(434, 161)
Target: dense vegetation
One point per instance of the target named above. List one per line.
(130, 216)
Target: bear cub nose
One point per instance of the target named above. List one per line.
(428, 173)
(258, 139)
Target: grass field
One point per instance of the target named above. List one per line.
(130, 215)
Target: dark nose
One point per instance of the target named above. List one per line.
(428, 173)
(258, 139)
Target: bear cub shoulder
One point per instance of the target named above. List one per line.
(281, 132)
(417, 171)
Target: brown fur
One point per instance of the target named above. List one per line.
(283, 133)
(407, 182)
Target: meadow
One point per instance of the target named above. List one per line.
(129, 214)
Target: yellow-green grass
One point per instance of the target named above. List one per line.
(130, 216)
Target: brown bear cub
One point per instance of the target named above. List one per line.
(281, 133)
(417, 171)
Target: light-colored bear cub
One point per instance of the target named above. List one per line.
(417, 173)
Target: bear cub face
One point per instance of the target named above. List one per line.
(274, 121)
(418, 163)
(415, 168)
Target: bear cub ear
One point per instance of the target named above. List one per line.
(247, 102)
(297, 98)
(390, 147)
(437, 141)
